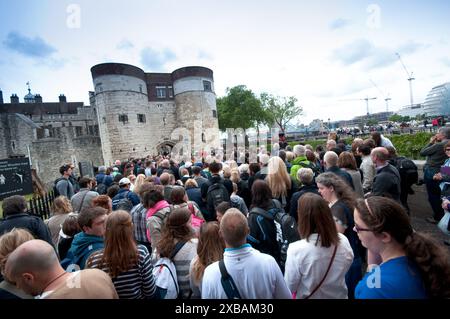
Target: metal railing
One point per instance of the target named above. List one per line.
(40, 206)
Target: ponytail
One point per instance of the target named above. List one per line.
(433, 263)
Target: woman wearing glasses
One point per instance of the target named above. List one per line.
(413, 266)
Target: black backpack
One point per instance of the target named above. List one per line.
(408, 170)
(55, 190)
(286, 228)
(101, 187)
(312, 166)
(123, 203)
(216, 194)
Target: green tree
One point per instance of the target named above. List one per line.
(396, 118)
(372, 122)
(240, 108)
(280, 110)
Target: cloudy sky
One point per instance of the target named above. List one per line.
(322, 52)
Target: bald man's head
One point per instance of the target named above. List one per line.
(379, 155)
(234, 228)
(31, 264)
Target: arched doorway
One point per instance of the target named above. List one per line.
(165, 148)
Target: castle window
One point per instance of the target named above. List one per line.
(214, 113)
(141, 118)
(78, 131)
(159, 105)
(104, 119)
(161, 92)
(123, 118)
(140, 88)
(170, 89)
(207, 86)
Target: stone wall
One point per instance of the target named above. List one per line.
(66, 149)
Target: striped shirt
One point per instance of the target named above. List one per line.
(136, 283)
(138, 216)
(182, 262)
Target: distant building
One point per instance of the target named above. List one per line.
(412, 111)
(437, 101)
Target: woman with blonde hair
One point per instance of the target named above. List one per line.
(8, 243)
(128, 264)
(280, 182)
(140, 179)
(210, 249)
(61, 208)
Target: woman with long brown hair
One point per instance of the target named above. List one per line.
(316, 265)
(127, 264)
(177, 228)
(413, 265)
(210, 249)
(341, 199)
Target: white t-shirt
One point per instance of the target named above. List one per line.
(307, 264)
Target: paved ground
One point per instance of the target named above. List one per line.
(421, 209)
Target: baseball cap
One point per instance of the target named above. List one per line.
(124, 181)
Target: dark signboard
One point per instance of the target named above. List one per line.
(15, 177)
(86, 169)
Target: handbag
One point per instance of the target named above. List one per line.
(325, 276)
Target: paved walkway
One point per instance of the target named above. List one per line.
(421, 209)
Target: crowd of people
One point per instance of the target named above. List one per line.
(302, 223)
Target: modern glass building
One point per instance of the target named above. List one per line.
(437, 101)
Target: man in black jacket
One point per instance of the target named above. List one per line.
(14, 211)
(215, 169)
(387, 180)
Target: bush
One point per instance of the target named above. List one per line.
(408, 145)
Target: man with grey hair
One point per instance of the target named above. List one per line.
(330, 145)
(436, 157)
(35, 269)
(299, 161)
(330, 160)
(387, 180)
(306, 177)
(256, 275)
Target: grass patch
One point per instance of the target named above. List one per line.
(408, 145)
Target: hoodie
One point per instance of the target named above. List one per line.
(83, 246)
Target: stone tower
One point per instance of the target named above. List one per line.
(145, 113)
(195, 103)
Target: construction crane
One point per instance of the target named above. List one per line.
(365, 99)
(385, 96)
(410, 79)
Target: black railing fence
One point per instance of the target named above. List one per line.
(40, 206)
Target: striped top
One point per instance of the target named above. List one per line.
(182, 261)
(136, 283)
